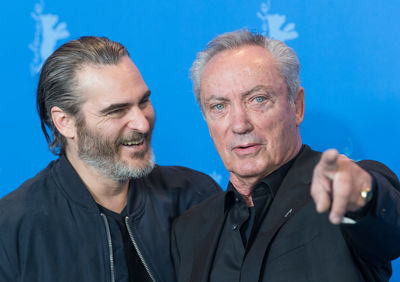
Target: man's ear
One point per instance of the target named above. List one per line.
(64, 123)
(299, 105)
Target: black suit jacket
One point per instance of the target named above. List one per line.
(294, 242)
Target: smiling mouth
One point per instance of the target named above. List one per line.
(133, 143)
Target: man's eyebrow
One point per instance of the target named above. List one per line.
(216, 98)
(259, 88)
(113, 107)
(146, 95)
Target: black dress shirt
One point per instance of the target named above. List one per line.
(242, 224)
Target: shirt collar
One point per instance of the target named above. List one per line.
(269, 184)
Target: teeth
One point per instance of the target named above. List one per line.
(133, 143)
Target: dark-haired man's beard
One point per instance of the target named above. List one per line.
(102, 154)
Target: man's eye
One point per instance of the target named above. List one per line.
(218, 107)
(116, 112)
(259, 99)
(145, 100)
(144, 103)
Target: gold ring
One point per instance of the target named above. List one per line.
(366, 194)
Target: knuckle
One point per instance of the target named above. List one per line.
(342, 192)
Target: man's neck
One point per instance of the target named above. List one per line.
(245, 185)
(106, 192)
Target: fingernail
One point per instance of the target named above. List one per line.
(320, 208)
(335, 219)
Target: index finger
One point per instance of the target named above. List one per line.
(329, 159)
(327, 165)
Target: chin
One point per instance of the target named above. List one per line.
(141, 161)
(247, 171)
(137, 163)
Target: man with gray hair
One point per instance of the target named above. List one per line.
(289, 213)
(102, 211)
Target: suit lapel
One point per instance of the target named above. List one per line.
(205, 251)
(292, 195)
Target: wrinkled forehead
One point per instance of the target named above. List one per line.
(238, 70)
(243, 54)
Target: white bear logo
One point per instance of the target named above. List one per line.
(48, 32)
(272, 24)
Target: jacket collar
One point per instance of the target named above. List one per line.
(73, 188)
(272, 182)
(293, 193)
(71, 185)
(205, 252)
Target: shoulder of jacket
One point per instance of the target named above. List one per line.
(28, 195)
(179, 177)
(210, 205)
(178, 170)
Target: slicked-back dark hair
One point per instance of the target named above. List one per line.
(58, 83)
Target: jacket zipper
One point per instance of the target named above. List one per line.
(109, 246)
(137, 250)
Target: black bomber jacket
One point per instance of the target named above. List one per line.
(52, 230)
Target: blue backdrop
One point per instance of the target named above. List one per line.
(348, 52)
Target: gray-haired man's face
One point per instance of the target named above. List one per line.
(251, 121)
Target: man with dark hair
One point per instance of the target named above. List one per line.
(289, 213)
(102, 211)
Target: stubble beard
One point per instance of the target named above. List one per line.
(102, 154)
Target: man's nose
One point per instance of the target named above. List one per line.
(139, 120)
(240, 120)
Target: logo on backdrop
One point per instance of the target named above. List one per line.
(216, 176)
(273, 25)
(48, 31)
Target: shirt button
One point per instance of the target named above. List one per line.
(383, 212)
(234, 227)
(237, 200)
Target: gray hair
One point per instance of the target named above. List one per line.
(58, 83)
(286, 59)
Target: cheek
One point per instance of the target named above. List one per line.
(151, 119)
(217, 134)
(150, 114)
(110, 129)
(110, 133)
(283, 135)
(275, 127)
